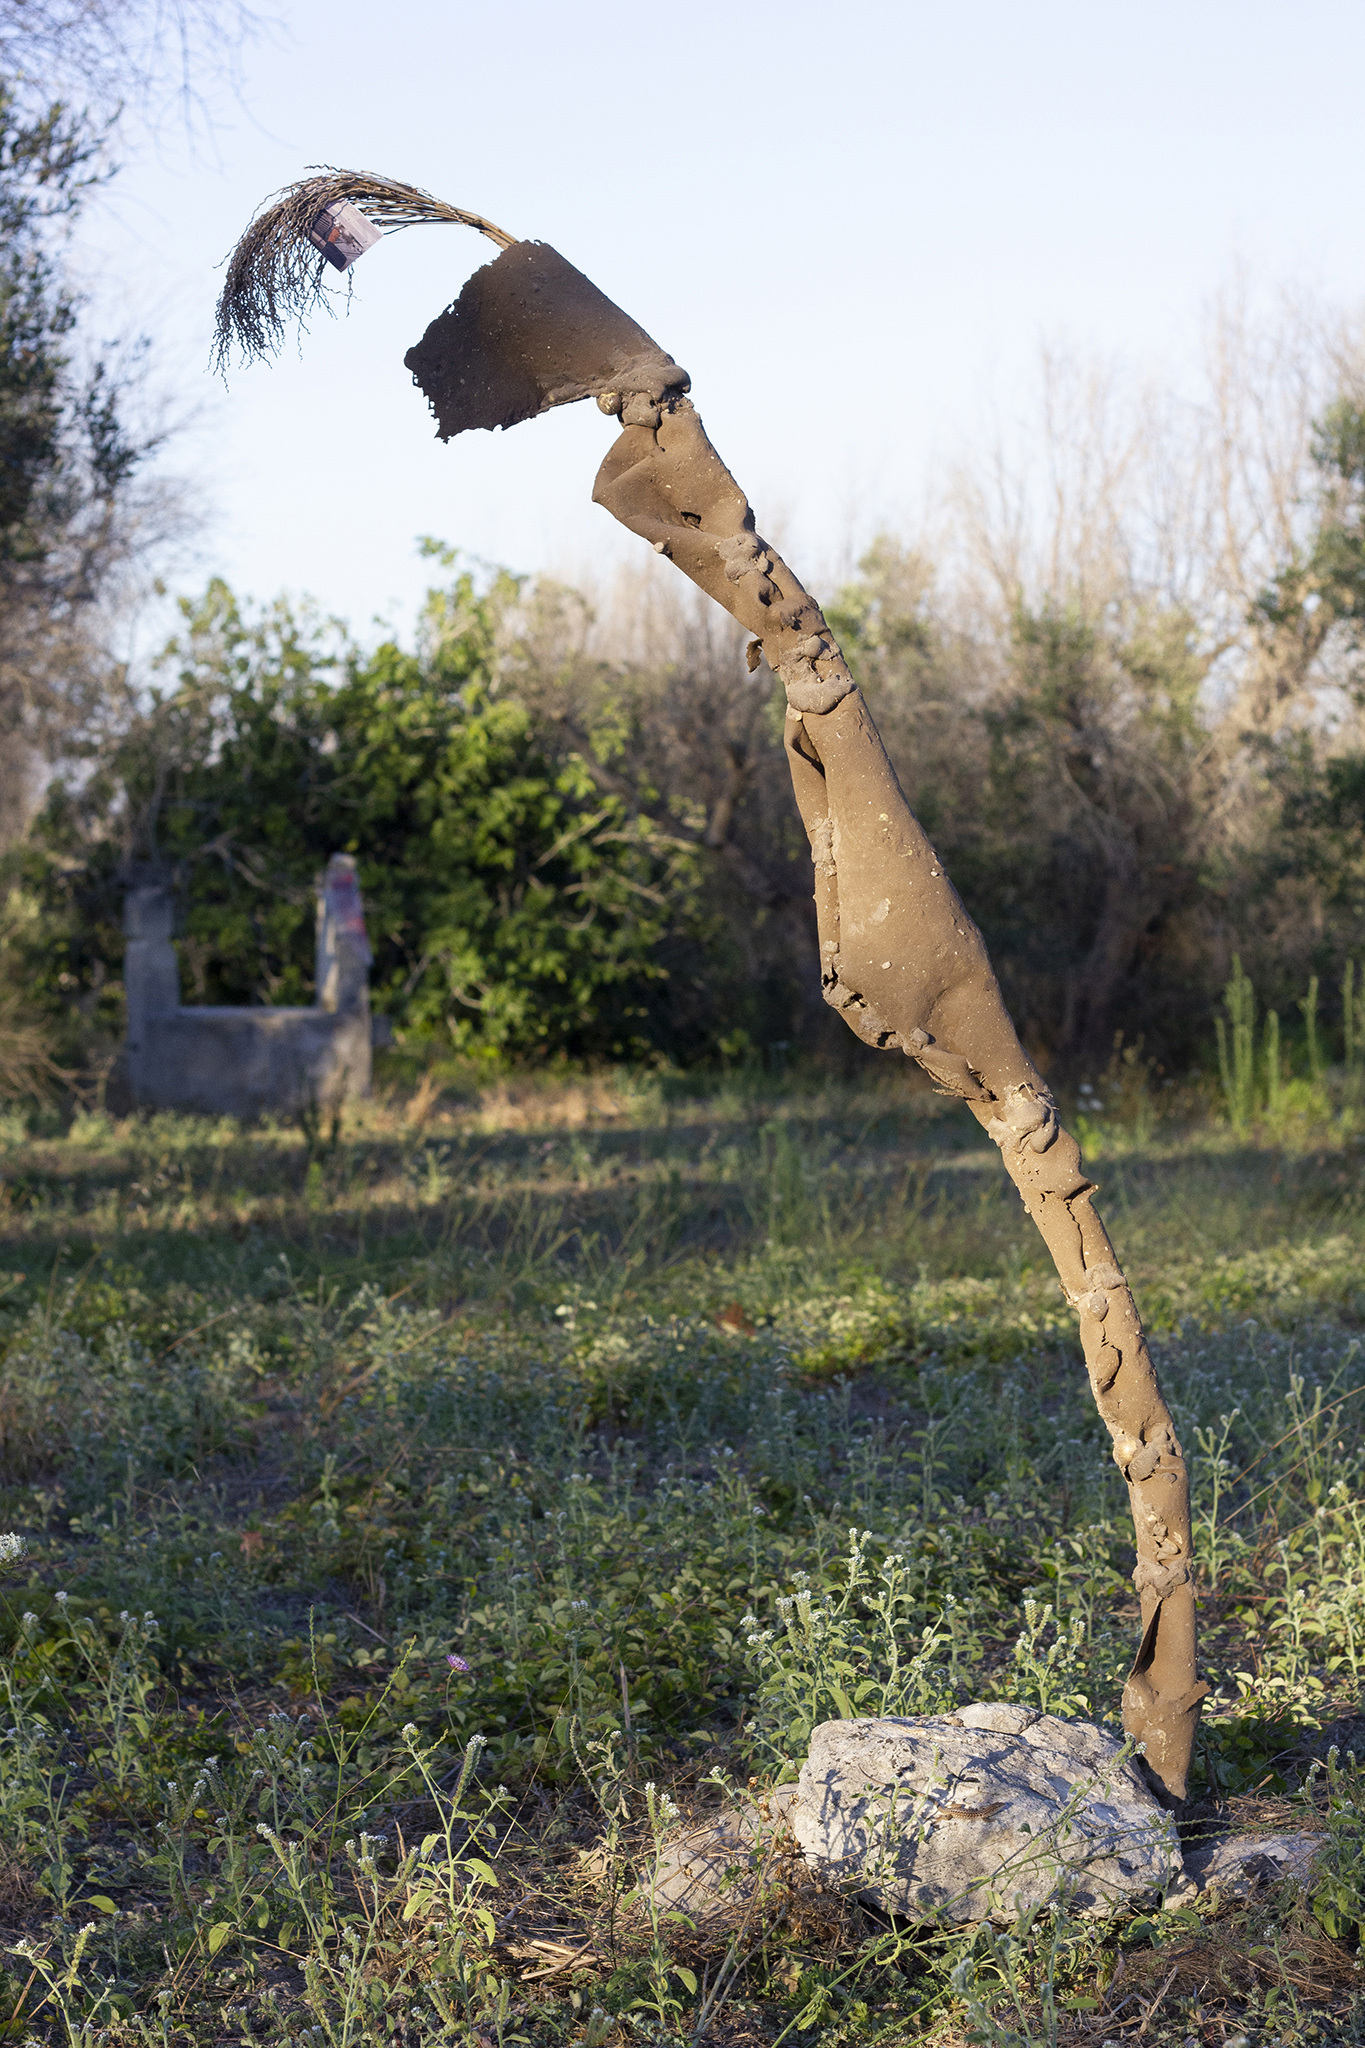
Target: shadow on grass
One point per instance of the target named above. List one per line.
(646, 1203)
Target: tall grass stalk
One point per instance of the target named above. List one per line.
(1273, 1075)
(1237, 1048)
(1352, 1028)
(1309, 1006)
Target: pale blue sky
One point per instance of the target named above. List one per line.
(853, 224)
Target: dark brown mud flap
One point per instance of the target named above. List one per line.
(529, 332)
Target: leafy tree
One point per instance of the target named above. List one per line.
(71, 515)
(686, 735)
(1334, 571)
(1300, 899)
(1094, 828)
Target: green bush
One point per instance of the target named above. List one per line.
(513, 907)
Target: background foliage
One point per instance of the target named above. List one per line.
(1119, 672)
(571, 850)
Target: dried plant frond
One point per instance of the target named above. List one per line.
(28, 1071)
(275, 274)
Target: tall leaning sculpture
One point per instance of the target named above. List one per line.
(900, 959)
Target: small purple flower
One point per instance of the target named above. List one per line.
(456, 1663)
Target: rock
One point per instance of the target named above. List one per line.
(1237, 1864)
(713, 1872)
(977, 1814)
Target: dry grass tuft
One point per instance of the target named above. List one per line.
(275, 274)
(19, 1891)
(1255, 1814)
(1243, 1953)
(28, 1071)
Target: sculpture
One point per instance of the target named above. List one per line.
(900, 959)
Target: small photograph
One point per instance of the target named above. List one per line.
(342, 233)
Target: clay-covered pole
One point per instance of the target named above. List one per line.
(905, 967)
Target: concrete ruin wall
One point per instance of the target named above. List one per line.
(223, 1061)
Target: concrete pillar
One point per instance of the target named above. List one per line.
(343, 946)
(151, 974)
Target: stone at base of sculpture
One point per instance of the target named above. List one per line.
(714, 1872)
(960, 1854)
(248, 1062)
(1239, 1864)
(980, 1814)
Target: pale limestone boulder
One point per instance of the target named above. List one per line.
(1238, 1864)
(978, 1814)
(712, 1873)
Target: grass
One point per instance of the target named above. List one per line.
(406, 1510)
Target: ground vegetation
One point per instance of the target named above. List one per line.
(416, 1522)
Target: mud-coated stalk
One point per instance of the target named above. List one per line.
(906, 968)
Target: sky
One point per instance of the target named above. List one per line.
(855, 225)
